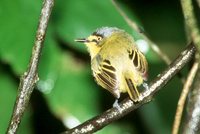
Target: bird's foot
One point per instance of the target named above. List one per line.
(146, 86)
(116, 105)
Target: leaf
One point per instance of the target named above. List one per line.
(18, 25)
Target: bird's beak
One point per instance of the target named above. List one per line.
(82, 40)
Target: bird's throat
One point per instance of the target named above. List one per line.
(93, 50)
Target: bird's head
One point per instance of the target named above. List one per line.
(98, 38)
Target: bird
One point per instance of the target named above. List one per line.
(117, 64)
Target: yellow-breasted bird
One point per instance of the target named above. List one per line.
(116, 62)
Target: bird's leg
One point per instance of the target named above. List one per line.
(116, 105)
(145, 85)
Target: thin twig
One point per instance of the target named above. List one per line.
(135, 27)
(126, 106)
(181, 102)
(30, 77)
(192, 119)
(192, 122)
(191, 22)
(131, 23)
(198, 2)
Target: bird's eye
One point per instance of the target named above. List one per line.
(99, 38)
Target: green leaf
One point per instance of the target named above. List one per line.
(18, 26)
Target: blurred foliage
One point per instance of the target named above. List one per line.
(66, 82)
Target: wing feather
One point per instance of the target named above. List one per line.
(106, 77)
(139, 61)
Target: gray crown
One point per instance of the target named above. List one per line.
(106, 31)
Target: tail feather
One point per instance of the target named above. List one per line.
(132, 90)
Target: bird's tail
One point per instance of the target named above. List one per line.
(132, 90)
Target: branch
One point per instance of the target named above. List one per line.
(127, 105)
(182, 99)
(198, 2)
(30, 77)
(191, 22)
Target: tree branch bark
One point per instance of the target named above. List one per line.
(127, 105)
(191, 22)
(30, 77)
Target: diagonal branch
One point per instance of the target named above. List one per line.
(127, 105)
(30, 77)
(198, 2)
(191, 21)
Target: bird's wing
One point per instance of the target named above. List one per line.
(139, 60)
(139, 63)
(105, 75)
